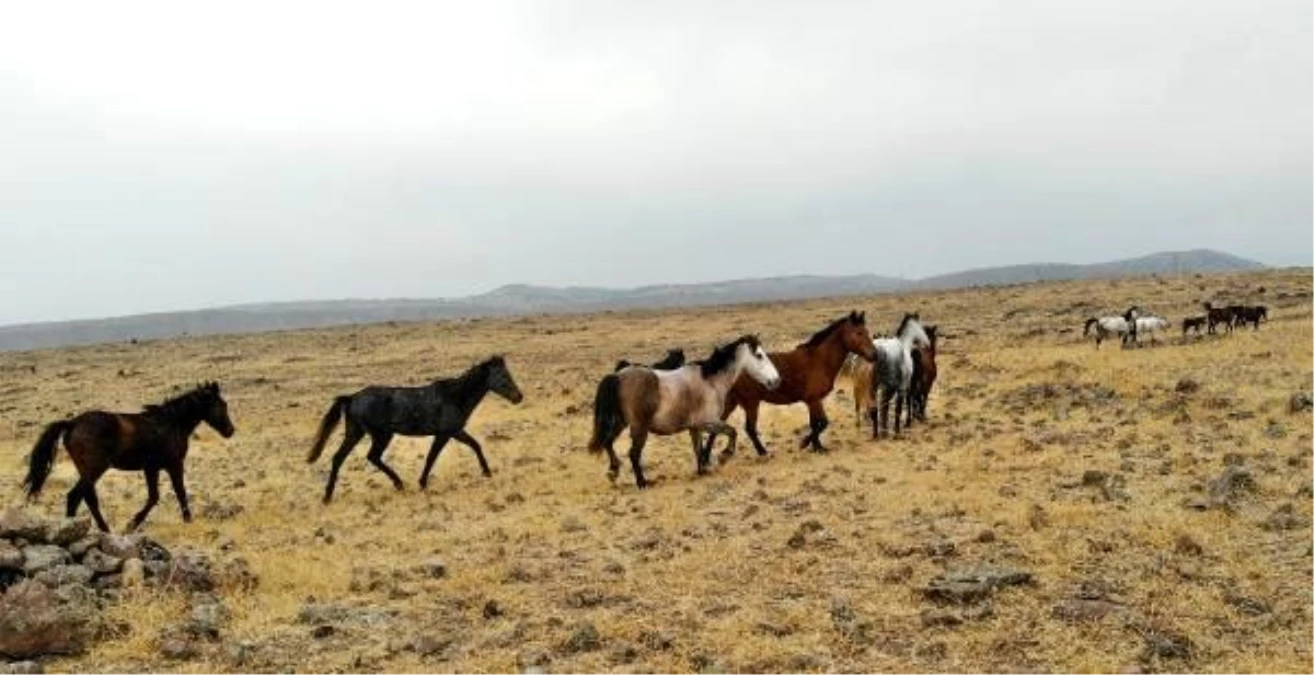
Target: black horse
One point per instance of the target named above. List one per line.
(440, 409)
(150, 441)
(1194, 323)
(674, 359)
(1219, 315)
(1249, 315)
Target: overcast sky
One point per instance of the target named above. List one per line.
(161, 156)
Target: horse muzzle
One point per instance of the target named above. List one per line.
(773, 383)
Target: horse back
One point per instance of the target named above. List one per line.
(640, 395)
(801, 379)
(128, 441)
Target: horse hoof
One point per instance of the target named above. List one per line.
(488, 474)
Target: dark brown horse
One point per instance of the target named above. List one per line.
(923, 378)
(807, 375)
(1194, 323)
(1219, 315)
(149, 441)
(1249, 315)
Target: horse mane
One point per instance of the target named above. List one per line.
(723, 356)
(821, 335)
(907, 318)
(187, 404)
(471, 377)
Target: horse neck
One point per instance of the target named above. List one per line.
(471, 388)
(832, 353)
(183, 422)
(722, 382)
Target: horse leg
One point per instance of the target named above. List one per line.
(74, 499)
(434, 450)
(899, 397)
(152, 498)
(702, 455)
(180, 490)
(613, 462)
(470, 442)
(638, 436)
(750, 427)
(93, 503)
(378, 443)
(818, 422)
(351, 437)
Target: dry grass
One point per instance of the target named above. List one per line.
(703, 563)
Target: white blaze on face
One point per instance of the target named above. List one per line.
(760, 367)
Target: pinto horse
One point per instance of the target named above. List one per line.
(674, 359)
(150, 441)
(439, 409)
(665, 402)
(807, 375)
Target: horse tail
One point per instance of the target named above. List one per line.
(608, 419)
(331, 419)
(42, 459)
(1089, 322)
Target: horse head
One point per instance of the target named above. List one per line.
(216, 410)
(855, 338)
(500, 381)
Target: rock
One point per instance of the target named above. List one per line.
(1078, 610)
(321, 613)
(66, 531)
(532, 659)
(38, 557)
(1093, 478)
(1300, 402)
(1165, 645)
(208, 615)
(322, 631)
(217, 511)
(152, 551)
(811, 532)
(434, 569)
(15, 524)
(177, 648)
(236, 572)
(656, 640)
(972, 584)
(79, 548)
(190, 571)
(134, 573)
(1235, 482)
(121, 546)
(1247, 605)
(1187, 545)
(64, 575)
(898, 574)
(1283, 518)
(623, 652)
(101, 563)
(1187, 385)
(584, 638)
(21, 668)
(492, 610)
(933, 617)
(34, 621)
(11, 557)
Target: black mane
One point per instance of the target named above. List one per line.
(472, 377)
(722, 357)
(192, 404)
(904, 324)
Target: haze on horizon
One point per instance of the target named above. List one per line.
(162, 156)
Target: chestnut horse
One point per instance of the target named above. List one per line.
(923, 377)
(807, 375)
(149, 441)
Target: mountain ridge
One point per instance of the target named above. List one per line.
(520, 298)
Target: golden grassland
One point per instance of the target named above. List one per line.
(698, 573)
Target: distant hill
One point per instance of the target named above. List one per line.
(526, 299)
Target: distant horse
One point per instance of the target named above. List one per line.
(674, 359)
(1250, 315)
(807, 375)
(1150, 325)
(1219, 315)
(664, 402)
(923, 377)
(1195, 323)
(149, 441)
(890, 378)
(1108, 326)
(439, 409)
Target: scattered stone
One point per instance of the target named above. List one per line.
(972, 584)
(1235, 482)
(1247, 605)
(21, 668)
(134, 573)
(38, 557)
(986, 536)
(190, 571)
(623, 652)
(1300, 402)
(236, 572)
(65, 575)
(34, 621)
(656, 640)
(1187, 385)
(321, 613)
(11, 557)
(898, 574)
(941, 617)
(1283, 518)
(177, 648)
(1079, 610)
(152, 551)
(218, 511)
(811, 532)
(1165, 645)
(84, 545)
(434, 569)
(584, 638)
(1037, 518)
(66, 531)
(429, 645)
(15, 524)
(121, 546)
(1187, 545)
(1094, 478)
(492, 610)
(322, 631)
(100, 563)
(208, 615)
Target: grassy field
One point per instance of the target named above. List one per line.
(1042, 454)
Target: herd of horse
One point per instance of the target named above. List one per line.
(668, 397)
(1132, 324)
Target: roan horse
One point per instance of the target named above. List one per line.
(807, 375)
(891, 375)
(150, 441)
(674, 359)
(666, 402)
(439, 409)
(1107, 326)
